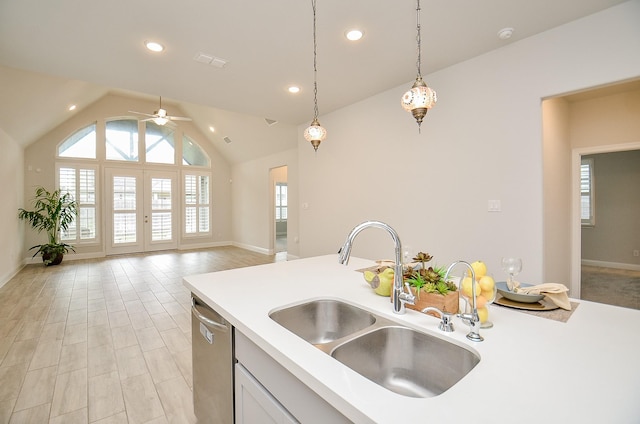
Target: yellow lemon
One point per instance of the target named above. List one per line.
(479, 268)
(467, 289)
(483, 313)
(487, 283)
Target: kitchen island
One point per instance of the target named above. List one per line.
(532, 369)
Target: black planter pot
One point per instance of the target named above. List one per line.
(54, 258)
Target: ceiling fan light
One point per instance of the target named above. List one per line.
(160, 120)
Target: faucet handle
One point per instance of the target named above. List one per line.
(407, 296)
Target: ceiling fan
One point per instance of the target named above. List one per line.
(160, 116)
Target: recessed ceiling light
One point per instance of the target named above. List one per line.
(154, 46)
(72, 107)
(505, 33)
(354, 34)
(212, 129)
(294, 89)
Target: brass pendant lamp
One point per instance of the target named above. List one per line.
(420, 98)
(315, 133)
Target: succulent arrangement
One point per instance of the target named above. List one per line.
(428, 279)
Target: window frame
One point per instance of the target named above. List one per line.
(96, 129)
(278, 204)
(197, 173)
(590, 192)
(97, 205)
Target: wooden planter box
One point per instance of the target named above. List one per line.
(446, 303)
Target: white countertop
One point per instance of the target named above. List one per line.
(532, 369)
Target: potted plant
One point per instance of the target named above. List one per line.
(53, 212)
(429, 286)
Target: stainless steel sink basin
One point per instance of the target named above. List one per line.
(323, 321)
(406, 361)
(398, 358)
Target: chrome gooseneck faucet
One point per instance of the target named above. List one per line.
(398, 295)
(472, 319)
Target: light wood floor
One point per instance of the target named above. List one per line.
(103, 341)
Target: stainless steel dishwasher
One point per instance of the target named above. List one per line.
(212, 347)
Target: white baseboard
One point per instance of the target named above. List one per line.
(193, 246)
(8, 276)
(617, 265)
(254, 248)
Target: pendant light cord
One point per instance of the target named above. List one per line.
(418, 39)
(315, 67)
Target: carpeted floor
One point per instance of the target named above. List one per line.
(612, 286)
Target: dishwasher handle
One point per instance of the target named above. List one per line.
(207, 321)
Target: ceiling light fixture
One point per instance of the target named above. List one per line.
(212, 129)
(315, 133)
(154, 46)
(293, 89)
(505, 33)
(354, 34)
(420, 98)
(72, 107)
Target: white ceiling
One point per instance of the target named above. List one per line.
(59, 52)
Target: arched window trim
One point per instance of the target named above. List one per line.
(95, 158)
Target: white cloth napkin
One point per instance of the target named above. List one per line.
(557, 293)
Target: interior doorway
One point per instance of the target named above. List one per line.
(278, 179)
(610, 230)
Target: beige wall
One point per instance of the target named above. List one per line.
(482, 141)
(616, 233)
(40, 169)
(556, 191)
(252, 191)
(11, 175)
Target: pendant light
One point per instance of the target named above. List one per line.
(315, 133)
(420, 98)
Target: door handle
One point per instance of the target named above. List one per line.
(217, 325)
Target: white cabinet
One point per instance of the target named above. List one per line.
(254, 404)
(264, 388)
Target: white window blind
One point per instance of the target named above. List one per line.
(81, 183)
(197, 209)
(587, 195)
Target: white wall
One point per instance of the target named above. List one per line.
(482, 141)
(251, 192)
(11, 175)
(556, 191)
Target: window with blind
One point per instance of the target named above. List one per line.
(281, 201)
(587, 196)
(197, 205)
(80, 182)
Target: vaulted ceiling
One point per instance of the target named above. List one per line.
(60, 52)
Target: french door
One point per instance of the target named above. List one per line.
(142, 210)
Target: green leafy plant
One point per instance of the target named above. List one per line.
(429, 280)
(53, 212)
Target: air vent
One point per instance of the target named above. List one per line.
(227, 140)
(270, 122)
(209, 59)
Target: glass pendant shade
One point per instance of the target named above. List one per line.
(419, 99)
(315, 133)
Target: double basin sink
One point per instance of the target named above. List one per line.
(401, 359)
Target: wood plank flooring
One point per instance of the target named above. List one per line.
(104, 341)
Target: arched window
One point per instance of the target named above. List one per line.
(122, 140)
(159, 143)
(81, 144)
(192, 154)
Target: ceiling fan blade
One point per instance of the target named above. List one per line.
(142, 113)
